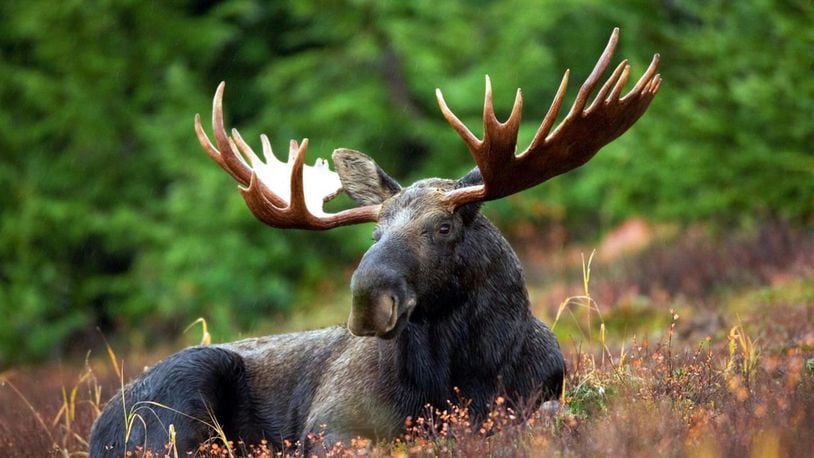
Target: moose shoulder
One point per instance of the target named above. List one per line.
(440, 310)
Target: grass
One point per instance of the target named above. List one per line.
(719, 370)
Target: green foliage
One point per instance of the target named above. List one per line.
(588, 398)
(113, 217)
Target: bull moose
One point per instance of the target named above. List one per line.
(440, 310)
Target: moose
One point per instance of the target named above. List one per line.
(439, 312)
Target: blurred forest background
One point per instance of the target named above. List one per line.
(111, 216)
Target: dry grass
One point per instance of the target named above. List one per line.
(722, 370)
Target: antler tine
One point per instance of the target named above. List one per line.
(268, 154)
(213, 152)
(551, 115)
(466, 135)
(489, 118)
(297, 203)
(229, 155)
(592, 80)
(572, 143)
(244, 148)
(614, 81)
(617, 89)
(208, 147)
(646, 77)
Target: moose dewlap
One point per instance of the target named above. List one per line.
(440, 310)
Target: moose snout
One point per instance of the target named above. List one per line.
(373, 315)
(381, 300)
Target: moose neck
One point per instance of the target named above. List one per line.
(462, 336)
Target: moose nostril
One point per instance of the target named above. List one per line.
(374, 314)
(385, 308)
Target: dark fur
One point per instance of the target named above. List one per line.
(465, 322)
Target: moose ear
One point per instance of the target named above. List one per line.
(473, 178)
(363, 180)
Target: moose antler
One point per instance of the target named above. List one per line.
(275, 191)
(576, 140)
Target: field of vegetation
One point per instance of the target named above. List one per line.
(672, 349)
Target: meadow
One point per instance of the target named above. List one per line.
(678, 342)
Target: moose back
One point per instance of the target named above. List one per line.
(440, 310)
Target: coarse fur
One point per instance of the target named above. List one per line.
(440, 289)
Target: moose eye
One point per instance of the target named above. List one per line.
(444, 228)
